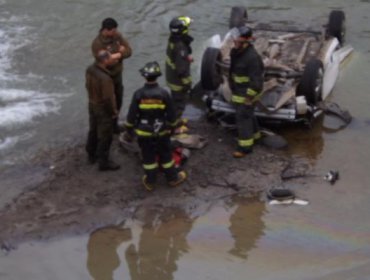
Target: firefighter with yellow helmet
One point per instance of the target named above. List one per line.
(179, 58)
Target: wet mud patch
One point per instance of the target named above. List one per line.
(75, 198)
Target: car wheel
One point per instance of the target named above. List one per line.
(336, 26)
(238, 16)
(210, 74)
(311, 82)
(280, 194)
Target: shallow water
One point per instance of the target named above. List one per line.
(43, 54)
(233, 240)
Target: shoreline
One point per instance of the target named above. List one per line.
(74, 198)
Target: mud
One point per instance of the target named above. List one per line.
(75, 198)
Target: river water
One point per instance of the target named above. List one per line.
(44, 50)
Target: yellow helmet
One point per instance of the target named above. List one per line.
(180, 25)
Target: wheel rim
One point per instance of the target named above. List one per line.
(318, 83)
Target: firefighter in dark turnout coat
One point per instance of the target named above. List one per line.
(151, 115)
(246, 83)
(178, 62)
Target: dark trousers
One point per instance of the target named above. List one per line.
(154, 150)
(100, 134)
(118, 92)
(118, 89)
(247, 126)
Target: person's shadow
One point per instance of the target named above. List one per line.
(246, 226)
(162, 243)
(102, 247)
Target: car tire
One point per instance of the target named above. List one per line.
(210, 74)
(280, 194)
(311, 82)
(336, 26)
(238, 16)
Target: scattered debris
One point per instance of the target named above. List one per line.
(336, 118)
(294, 170)
(332, 176)
(191, 141)
(289, 201)
(275, 142)
(129, 145)
(284, 196)
(280, 194)
(6, 247)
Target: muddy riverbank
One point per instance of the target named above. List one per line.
(71, 197)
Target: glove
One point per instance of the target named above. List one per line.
(128, 136)
(129, 133)
(190, 58)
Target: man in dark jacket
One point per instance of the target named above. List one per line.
(113, 41)
(152, 116)
(102, 110)
(246, 83)
(178, 62)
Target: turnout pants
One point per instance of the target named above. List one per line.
(180, 99)
(100, 134)
(157, 151)
(247, 125)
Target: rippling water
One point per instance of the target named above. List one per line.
(44, 50)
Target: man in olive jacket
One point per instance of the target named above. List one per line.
(113, 41)
(102, 110)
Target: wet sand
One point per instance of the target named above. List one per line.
(71, 197)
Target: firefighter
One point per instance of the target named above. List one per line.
(246, 83)
(152, 117)
(113, 41)
(179, 58)
(102, 110)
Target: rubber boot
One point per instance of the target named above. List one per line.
(147, 186)
(240, 153)
(181, 177)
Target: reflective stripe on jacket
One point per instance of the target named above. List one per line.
(151, 112)
(246, 74)
(177, 63)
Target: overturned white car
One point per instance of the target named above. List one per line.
(301, 68)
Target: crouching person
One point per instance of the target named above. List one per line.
(152, 117)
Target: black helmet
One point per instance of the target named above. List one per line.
(245, 32)
(151, 70)
(180, 25)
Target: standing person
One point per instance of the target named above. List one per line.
(178, 62)
(246, 83)
(113, 41)
(152, 115)
(102, 110)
